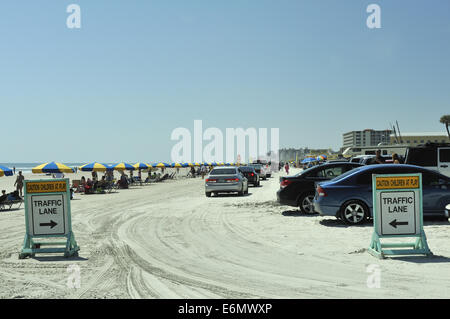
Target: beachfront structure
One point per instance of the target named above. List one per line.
(417, 138)
(365, 138)
(293, 154)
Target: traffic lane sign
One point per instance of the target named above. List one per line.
(48, 214)
(399, 213)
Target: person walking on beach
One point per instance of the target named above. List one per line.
(19, 183)
(286, 167)
(14, 170)
(203, 171)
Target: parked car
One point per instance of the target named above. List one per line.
(259, 168)
(349, 196)
(299, 190)
(435, 156)
(251, 175)
(370, 159)
(226, 180)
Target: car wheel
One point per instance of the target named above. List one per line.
(208, 194)
(306, 203)
(354, 212)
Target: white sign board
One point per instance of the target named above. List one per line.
(399, 212)
(47, 214)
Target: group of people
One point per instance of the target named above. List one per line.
(202, 171)
(378, 159)
(93, 185)
(10, 196)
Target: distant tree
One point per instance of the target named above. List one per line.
(445, 119)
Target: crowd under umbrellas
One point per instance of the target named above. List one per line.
(57, 170)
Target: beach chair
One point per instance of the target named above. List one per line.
(166, 176)
(8, 204)
(110, 186)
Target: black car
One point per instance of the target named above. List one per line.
(251, 175)
(299, 190)
(258, 170)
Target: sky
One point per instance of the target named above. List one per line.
(115, 89)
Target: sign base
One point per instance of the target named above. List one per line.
(419, 247)
(31, 247)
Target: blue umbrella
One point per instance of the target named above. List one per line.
(5, 171)
(307, 160)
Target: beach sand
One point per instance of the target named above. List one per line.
(167, 240)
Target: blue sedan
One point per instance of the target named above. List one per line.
(349, 196)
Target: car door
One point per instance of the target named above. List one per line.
(435, 192)
(444, 160)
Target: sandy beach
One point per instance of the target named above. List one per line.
(167, 240)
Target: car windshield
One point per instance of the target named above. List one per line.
(246, 169)
(223, 171)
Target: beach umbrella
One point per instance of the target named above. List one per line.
(95, 167)
(142, 166)
(321, 158)
(52, 168)
(213, 164)
(221, 164)
(123, 166)
(161, 164)
(5, 171)
(307, 160)
(209, 164)
(176, 165)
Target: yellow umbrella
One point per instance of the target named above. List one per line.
(52, 168)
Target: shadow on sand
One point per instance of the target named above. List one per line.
(58, 258)
(297, 213)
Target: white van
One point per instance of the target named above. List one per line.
(431, 155)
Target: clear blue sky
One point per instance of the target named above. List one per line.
(116, 88)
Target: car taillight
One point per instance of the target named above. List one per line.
(285, 183)
(321, 192)
(209, 180)
(231, 180)
(251, 174)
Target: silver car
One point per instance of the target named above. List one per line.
(226, 180)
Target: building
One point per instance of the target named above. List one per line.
(417, 138)
(367, 137)
(292, 154)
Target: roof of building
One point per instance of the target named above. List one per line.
(414, 134)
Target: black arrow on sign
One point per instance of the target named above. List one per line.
(394, 223)
(51, 224)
